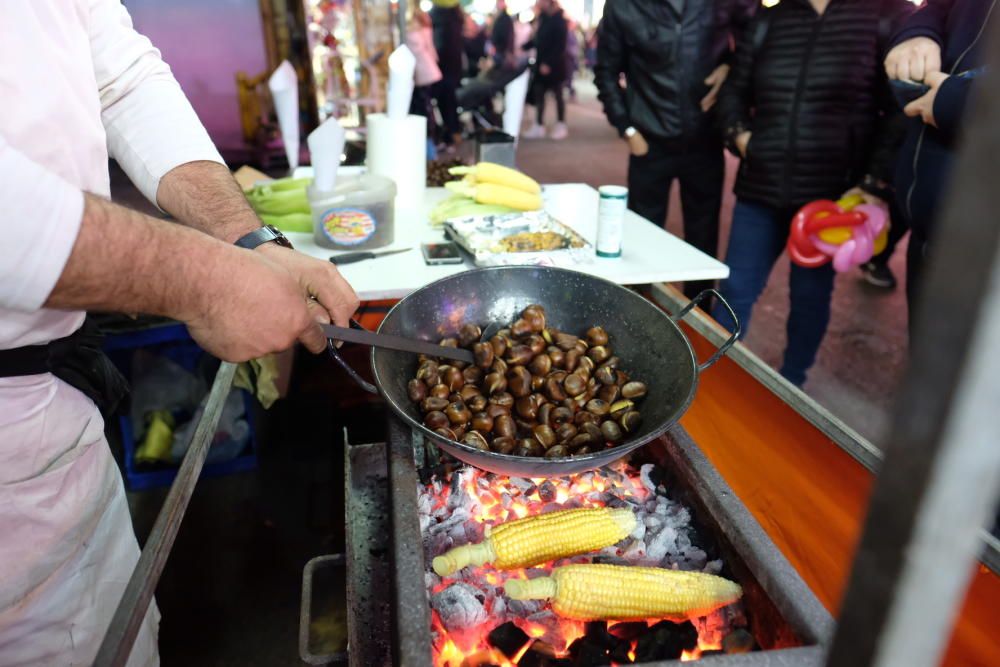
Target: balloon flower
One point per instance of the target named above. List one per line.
(847, 231)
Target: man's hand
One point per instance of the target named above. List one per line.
(320, 283)
(714, 81)
(923, 106)
(742, 141)
(637, 144)
(914, 60)
(253, 307)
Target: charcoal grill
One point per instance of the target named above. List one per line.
(389, 616)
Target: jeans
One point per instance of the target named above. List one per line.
(757, 240)
(701, 171)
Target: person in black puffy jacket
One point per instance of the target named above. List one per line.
(674, 55)
(807, 107)
(939, 45)
(448, 19)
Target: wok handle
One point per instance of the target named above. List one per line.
(732, 338)
(335, 355)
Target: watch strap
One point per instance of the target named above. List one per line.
(262, 235)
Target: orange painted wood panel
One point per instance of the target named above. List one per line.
(809, 495)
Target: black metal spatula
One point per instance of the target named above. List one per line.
(357, 334)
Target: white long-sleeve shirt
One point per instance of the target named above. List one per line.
(78, 84)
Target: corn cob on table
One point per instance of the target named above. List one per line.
(541, 539)
(615, 592)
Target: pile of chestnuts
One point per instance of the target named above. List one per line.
(533, 391)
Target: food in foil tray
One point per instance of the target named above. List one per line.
(519, 238)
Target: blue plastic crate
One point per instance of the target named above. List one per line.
(174, 342)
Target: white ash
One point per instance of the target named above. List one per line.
(460, 606)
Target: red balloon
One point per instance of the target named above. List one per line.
(800, 247)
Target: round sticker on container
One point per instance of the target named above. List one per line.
(348, 226)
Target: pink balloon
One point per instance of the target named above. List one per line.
(876, 217)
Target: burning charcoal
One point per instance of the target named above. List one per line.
(640, 531)
(460, 607)
(459, 515)
(645, 476)
(666, 641)
(499, 609)
(628, 631)
(458, 535)
(506, 501)
(425, 504)
(597, 633)
(547, 492)
(660, 545)
(437, 545)
(738, 641)
(425, 523)
(619, 654)
(551, 507)
(697, 559)
(588, 654)
(709, 652)
(508, 638)
(615, 501)
(535, 658)
(526, 486)
(524, 608)
(611, 560)
(431, 580)
(653, 523)
(474, 532)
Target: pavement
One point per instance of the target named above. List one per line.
(863, 355)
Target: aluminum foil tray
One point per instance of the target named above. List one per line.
(532, 238)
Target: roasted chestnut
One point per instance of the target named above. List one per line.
(417, 390)
(476, 439)
(565, 341)
(572, 359)
(519, 381)
(535, 343)
(458, 413)
(535, 316)
(561, 415)
(630, 421)
(541, 365)
(598, 407)
(545, 413)
(494, 383)
(504, 426)
(597, 336)
(468, 392)
(519, 355)
(583, 417)
(482, 422)
(585, 367)
(611, 431)
(484, 354)
(527, 407)
(566, 432)
(611, 362)
(494, 410)
(440, 391)
(633, 390)
(446, 433)
(499, 366)
(582, 439)
(468, 334)
(574, 385)
(428, 372)
(499, 345)
(605, 375)
(453, 378)
(599, 353)
(503, 398)
(537, 383)
(554, 390)
(459, 431)
(432, 403)
(594, 431)
(478, 403)
(520, 328)
(557, 452)
(557, 356)
(503, 445)
(435, 420)
(618, 408)
(531, 446)
(609, 393)
(545, 435)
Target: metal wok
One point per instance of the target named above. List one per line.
(649, 342)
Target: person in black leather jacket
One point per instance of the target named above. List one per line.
(674, 55)
(448, 19)
(808, 108)
(940, 45)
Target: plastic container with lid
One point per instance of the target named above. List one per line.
(356, 215)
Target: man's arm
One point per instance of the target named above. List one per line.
(736, 95)
(611, 61)
(157, 138)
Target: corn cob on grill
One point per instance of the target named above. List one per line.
(615, 592)
(539, 539)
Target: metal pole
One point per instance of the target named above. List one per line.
(941, 471)
(125, 624)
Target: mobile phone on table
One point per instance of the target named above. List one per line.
(441, 253)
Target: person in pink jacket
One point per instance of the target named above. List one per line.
(81, 85)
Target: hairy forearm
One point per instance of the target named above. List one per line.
(205, 196)
(125, 261)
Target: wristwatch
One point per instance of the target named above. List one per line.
(630, 132)
(264, 234)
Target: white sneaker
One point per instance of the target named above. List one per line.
(559, 132)
(534, 132)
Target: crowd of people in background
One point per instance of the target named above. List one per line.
(799, 91)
